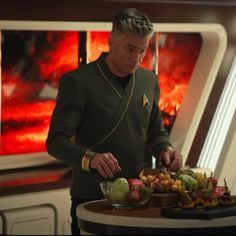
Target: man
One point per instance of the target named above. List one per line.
(106, 118)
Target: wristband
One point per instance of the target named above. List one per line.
(88, 156)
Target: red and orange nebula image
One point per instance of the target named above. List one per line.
(33, 62)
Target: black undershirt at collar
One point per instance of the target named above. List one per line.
(123, 81)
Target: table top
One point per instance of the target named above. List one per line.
(102, 212)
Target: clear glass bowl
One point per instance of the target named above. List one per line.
(105, 188)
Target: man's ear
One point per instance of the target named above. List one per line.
(110, 41)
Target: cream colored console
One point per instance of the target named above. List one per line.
(37, 213)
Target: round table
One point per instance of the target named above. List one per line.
(99, 217)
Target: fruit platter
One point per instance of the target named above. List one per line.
(126, 193)
(182, 192)
(195, 189)
(198, 195)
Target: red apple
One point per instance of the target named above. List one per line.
(133, 195)
(135, 182)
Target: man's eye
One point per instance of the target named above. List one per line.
(142, 51)
(131, 50)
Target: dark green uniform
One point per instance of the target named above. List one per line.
(94, 110)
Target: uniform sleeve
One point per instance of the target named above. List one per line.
(66, 118)
(158, 137)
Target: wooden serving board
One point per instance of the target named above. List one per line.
(164, 199)
(194, 213)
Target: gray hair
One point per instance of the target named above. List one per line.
(132, 21)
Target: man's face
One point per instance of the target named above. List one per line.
(127, 52)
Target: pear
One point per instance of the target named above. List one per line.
(119, 190)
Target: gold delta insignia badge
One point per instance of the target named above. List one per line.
(145, 100)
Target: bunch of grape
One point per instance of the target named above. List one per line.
(163, 183)
(148, 179)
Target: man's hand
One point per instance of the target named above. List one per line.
(106, 164)
(172, 159)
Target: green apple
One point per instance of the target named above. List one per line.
(119, 190)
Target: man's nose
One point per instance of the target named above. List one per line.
(135, 57)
